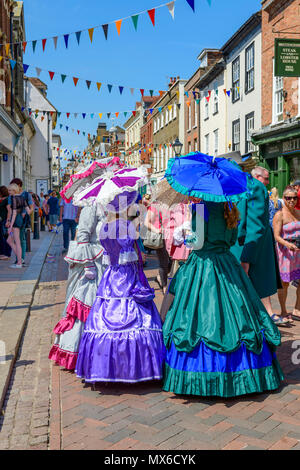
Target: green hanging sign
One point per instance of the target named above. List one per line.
(287, 58)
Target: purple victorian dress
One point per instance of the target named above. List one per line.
(122, 339)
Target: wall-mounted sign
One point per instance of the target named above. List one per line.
(41, 187)
(287, 57)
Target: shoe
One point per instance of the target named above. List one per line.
(279, 321)
(24, 264)
(16, 266)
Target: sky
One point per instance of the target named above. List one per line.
(145, 58)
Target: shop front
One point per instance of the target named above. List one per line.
(279, 152)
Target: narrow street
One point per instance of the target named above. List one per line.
(49, 408)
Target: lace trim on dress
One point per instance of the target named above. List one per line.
(124, 258)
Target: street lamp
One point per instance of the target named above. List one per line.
(177, 147)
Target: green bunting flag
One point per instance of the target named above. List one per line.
(78, 34)
(135, 21)
(63, 77)
(109, 88)
(33, 45)
(151, 92)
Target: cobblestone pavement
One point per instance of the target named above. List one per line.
(49, 408)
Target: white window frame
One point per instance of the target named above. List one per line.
(249, 118)
(216, 142)
(189, 117)
(249, 68)
(206, 137)
(195, 114)
(175, 111)
(236, 136)
(206, 110)
(236, 79)
(162, 120)
(216, 99)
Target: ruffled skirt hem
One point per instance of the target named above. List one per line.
(223, 384)
(66, 359)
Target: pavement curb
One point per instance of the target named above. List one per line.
(16, 313)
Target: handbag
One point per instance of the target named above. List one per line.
(153, 240)
(295, 241)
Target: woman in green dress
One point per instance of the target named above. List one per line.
(220, 339)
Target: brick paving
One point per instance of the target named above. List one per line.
(49, 408)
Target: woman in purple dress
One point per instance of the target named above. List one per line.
(122, 339)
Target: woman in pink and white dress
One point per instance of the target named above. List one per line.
(286, 224)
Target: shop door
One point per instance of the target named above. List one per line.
(294, 168)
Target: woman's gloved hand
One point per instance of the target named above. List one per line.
(90, 272)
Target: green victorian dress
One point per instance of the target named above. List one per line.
(220, 340)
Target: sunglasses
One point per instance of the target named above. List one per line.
(290, 198)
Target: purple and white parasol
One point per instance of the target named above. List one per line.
(118, 188)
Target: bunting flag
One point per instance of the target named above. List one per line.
(192, 4)
(12, 63)
(25, 68)
(121, 88)
(161, 93)
(88, 83)
(108, 115)
(225, 91)
(51, 75)
(151, 92)
(109, 88)
(44, 43)
(100, 115)
(135, 21)
(66, 38)
(151, 14)
(34, 45)
(142, 91)
(63, 77)
(171, 8)
(118, 26)
(117, 114)
(132, 90)
(75, 80)
(105, 30)
(7, 48)
(99, 85)
(83, 115)
(125, 113)
(78, 34)
(55, 42)
(24, 46)
(38, 71)
(228, 92)
(91, 33)
(134, 113)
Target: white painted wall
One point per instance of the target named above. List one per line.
(248, 102)
(40, 152)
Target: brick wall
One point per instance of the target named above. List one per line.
(278, 15)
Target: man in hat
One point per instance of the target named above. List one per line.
(255, 246)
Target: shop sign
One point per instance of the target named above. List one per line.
(287, 57)
(291, 145)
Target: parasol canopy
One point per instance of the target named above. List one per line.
(119, 187)
(87, 174)
(208, 178)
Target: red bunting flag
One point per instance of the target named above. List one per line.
(78, 132)
(51, 75)
(134, 113)
(24, 46)
(75, 80)
(142, 91)
(160, 92)
(151, 14)
(44, 43)
(68, 115)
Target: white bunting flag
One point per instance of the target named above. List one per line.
(38, 71)
(55, 41)
(171, 7)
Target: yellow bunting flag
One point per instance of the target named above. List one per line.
(170, 107)
(99, 85)
(177, 93)
(7, 46)
(100, 115)
(118, 26)
(91, 32)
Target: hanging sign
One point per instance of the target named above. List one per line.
(287, 57)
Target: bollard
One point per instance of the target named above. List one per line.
(36, 233)
(28, 242)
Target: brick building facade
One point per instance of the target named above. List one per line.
(279, 138)
(6, 11)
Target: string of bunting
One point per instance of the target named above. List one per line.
(105, 27)
(75, 80)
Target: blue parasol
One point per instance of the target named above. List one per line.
(208, 178)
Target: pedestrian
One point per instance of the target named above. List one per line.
(287, 235)
(275, 204)
(68, 216)
(296, 185)
(255, 248)
(220, 340)
(46, 210)
(53, 204)
(18, 207)
(86, 268)
(154, 222)
(26, 215)
(5, 249)
(122, 338)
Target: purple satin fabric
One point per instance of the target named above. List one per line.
(122, 339)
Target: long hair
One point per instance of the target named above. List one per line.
(274, 196)
(231, 215)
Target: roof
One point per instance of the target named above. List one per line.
(211, 73)
(37, 82)
(205, 51)
(242, 32)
